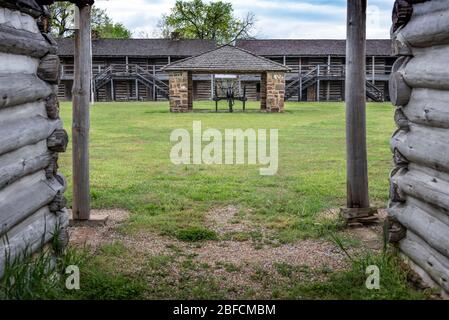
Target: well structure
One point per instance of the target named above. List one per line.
(227, 60)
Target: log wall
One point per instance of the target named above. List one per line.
(419, 88)
(32, 206)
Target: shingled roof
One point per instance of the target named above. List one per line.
(311, 47)
(140, 47)
(226, 59)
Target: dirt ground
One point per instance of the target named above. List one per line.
(244, 256)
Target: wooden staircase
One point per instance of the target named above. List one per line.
(324, 72)
(131, 72)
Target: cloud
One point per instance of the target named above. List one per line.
(288, 19)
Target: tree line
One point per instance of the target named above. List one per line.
(188, 19)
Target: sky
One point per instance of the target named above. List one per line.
(276, 19)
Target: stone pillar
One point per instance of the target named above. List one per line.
(275, 91)
(263, 92)
(181, 89)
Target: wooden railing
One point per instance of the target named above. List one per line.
(67, 70)
(335, 69)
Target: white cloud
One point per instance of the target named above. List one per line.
(275, 19)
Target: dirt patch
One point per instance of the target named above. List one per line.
(97, 236)
(239, 264)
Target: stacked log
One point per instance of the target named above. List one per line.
(32, 205)
(419, 193)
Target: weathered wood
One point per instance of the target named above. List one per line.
(400, 91)
(22, 162)
(428, 107)
(52, 168)
(429, 228)
(428, 25)
(435, 264)
(22, 112)
(18, 20)
(24, 197)
(52, 106)
(401, 120)
(28, 236)
(21, 88)
(396, 231)
(26, 6)
(59, 202)
(24, 42)
(49, 69)
(436, 212)
(422, 186)
(402, 12)
(357, 168)
(428, 69)
(58, 141)
(13, 63)
(423, 145)
(400, 47)
(81, 122)
(15, 135)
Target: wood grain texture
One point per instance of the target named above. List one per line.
(81, 117)
(22, 42)
(23, 161)
(357, 168)
(15, 135)
(18, 89)
(435, 264)
(423, 145)
(24, 197)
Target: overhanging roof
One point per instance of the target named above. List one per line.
(315, 47)
(139, 47)
(227, 59)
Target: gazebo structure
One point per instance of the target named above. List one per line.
(227, 60)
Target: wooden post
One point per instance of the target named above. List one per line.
(318, 84)
(81, 122)
(154, 84)
(357, 166)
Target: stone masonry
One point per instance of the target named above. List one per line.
(275, 91)
(181, 89)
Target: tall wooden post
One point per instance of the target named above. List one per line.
(81, 121)
(358, 204)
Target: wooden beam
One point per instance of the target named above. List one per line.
(357, 166)
(81, 121)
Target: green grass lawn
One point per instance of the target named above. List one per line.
(168, 248)
(131, 169)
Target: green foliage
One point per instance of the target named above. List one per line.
(62, 19)
(197, 19)
(350, 285)
(112, 31)
(195, 234)
(131, 168)
(38, 276)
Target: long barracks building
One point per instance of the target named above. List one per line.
(130, 70)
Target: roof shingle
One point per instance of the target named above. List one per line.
(140, 47)
(226, 59)
(311, 47)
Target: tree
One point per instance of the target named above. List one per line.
(196, 19)
(62, 19)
